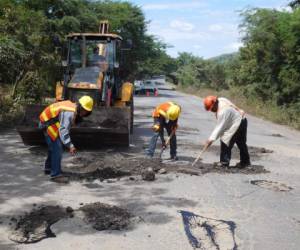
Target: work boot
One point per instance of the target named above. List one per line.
(148, 157)
(242, 165)
(174, 158)
(60, 179)
(221, 164)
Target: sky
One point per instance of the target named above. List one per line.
(205, 28)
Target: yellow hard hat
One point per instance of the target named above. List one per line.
(86, 102)
(173, 112)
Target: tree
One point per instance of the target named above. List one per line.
(29, 27)
(294, 4)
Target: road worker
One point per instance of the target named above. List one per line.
(56, 121)
(231, 128)
(97, 59)
(165, 116)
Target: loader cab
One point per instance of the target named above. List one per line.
(93, 67)
(86, 50)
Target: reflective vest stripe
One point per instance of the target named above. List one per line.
(52, 131)
(52, 111)
(44, 116)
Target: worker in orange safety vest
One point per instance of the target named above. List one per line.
(56, 121)
(165, 116)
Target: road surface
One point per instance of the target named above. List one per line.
(263, 216)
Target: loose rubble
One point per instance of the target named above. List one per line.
(35, 225)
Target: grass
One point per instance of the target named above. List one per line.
(267, 110)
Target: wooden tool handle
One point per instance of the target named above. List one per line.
(199, 156)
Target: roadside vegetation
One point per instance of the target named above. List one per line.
(264, 76)
(31, 33)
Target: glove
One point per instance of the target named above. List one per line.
(73, 151)
(174, 127)
(156, 127)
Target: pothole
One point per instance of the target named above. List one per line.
(276, 135)
(272, 185)
(36, 225)
(252, 169)
(106, 217)
(209, 233)
(106, 166)
(254, 152)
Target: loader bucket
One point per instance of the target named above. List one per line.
(106, 126)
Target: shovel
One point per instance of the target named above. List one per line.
(199, 156)
(166, 144)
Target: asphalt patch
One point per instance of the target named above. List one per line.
(208, 233)
(35, 226)
(272, 185)
(106, 217)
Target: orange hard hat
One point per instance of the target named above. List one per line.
(209, 102)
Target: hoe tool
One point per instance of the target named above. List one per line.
(199, 156)
(167, 143)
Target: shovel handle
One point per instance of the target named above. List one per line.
(170, 137)
(167, 142)
(199, 156)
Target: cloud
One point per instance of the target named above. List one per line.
(182, 25)
(197, 46)
(224, 29)
(174, 6)
(177, 31)
(171, 35)
(215, 27)
(234, 46)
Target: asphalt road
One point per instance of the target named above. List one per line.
(264, 217)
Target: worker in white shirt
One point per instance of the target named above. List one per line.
(231, 128)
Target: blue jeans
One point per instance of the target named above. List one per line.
(152, 145)
(55, 151)
(173, 143)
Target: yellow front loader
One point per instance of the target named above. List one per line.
(92, 68)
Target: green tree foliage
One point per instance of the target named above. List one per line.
(266, 68)
(269, 61)
(28, 29)
(294, 4)
(196, 71)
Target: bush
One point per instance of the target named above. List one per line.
(32, 87)
(10, 111)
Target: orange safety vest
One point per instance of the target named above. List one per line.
(162, 109)
(53, 111)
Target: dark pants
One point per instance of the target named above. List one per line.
(173, 142)
(55, 151)
(240, 138)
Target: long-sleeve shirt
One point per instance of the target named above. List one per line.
(229, 118)
(66, 119)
